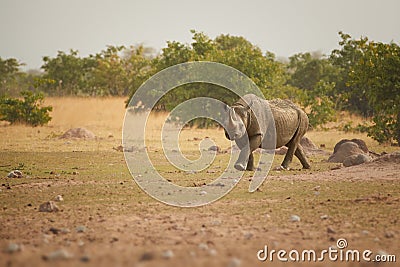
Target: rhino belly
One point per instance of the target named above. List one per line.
(286, 124)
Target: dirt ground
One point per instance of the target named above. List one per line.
(105, 219)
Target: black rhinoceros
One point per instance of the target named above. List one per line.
(291, 123)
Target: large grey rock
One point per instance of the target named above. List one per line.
(344, 151)
(356, 160)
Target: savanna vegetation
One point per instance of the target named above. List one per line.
(361, 77)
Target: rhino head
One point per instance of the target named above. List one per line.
(236, 121)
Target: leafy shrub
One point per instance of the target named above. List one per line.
(28, 110)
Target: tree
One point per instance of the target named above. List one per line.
(376, 73)
(10, 75)
(28, 111)
(67, 73)
(351, 97)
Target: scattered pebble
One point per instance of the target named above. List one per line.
(48, 206)
(61, 254)
(317, 188)
(58, 198)
(234, 262)
(324, 217)
(80, 229)
(12, 248)
(248, 235)
(203, 193)
(15, 174)
(203, 246)
(330, 230)
(365, 232)
(147, 256)
(167, 254)
(389, 234)
(212, 252)
(294, 218)
(216, 222)
(382, 253)
(85, 258)
(54, 230)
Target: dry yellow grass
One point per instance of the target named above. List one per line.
(105, 116)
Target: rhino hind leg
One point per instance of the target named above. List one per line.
(299, 153)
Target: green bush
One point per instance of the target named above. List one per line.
(28, 110)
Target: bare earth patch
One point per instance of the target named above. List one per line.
(106, 220)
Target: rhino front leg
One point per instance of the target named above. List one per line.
(246, 159)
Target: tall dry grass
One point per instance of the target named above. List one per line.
(105, 116)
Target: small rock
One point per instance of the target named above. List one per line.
(80, 229)
(324, 217)
(15, 174)
(167, 254)
(147, 256)
(248, 235)
(330, 230)
(58, 198)
(48, 206)
(203, 246)
(234, 262)
(85, 258)
(212, 252)
(365, 232)
(294, 218)
(389, 234)
(12, 248)
(317, 188)
(54, 230)
(382, 253)
(61, 254)
(203, 193)
(216, 222)
(65, 231)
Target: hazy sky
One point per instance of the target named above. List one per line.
(31, 29)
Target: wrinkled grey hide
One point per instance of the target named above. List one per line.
(291, 123)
